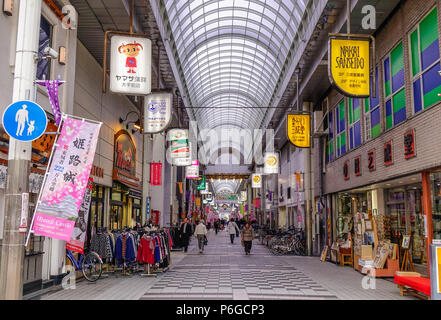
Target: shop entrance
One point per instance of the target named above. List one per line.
(116, 217)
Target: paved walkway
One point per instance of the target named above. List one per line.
(223, 271)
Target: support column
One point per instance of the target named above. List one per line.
(19, 156)
(308, 190)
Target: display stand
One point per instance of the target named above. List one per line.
(148, 274)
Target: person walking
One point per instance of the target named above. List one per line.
(232, 228)
(201, 233)
(186, 232)
(216, 226)
(247, 237)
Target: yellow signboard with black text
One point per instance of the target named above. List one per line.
(349, 66)
(299, 130)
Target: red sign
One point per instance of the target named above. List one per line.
(409, 144)
(371, 160)
(155, 217)
(256, 203)
(346, 170)
(388, 159)
(357, 166)
(156, 174)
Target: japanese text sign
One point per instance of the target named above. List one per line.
(67, 178)
(298, 130)
(130, 65)
(349, 66)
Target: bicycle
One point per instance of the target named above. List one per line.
(89, 264)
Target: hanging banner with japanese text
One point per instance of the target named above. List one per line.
(157, 112)
(67, 177)
(156, 174)
(78, 237)
(299, 130)
(130, 65)
(349, 66)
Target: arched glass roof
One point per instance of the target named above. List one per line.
(232, 53)
(221, 185)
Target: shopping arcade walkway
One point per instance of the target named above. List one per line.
(224, 272)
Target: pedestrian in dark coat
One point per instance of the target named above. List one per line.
(247, 237)
(186, 232)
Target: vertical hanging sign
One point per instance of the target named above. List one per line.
(271, 165)
(67, 177)
(78, 237)
(256, 180)
(192, 172)
(299, 130)
(157, 112)
(349, 66)
(179, 146)
(155, 174)
(130, 65)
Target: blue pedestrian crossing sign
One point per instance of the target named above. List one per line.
(24, 120)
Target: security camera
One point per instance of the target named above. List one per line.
(439, 72)
(51, 53)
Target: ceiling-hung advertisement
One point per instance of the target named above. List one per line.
(130, 65)
(256, 180)
(299, 130)
(349, 66)
(157, 112)
(271, 163)
(192, 171)
(179, 146)
(183, 162)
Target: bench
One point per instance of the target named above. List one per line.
(412, 283)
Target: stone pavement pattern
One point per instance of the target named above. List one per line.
(223, 271)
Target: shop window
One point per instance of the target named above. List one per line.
(354, 123)
(372, 114)
(43, 66)
(394, 92)
(435, 180)
(341, 128)
(425, 62)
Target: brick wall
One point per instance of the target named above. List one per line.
(427, 124)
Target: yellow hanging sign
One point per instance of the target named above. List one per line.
(299, 130)
(349, 66)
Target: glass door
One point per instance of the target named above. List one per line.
(116, 217)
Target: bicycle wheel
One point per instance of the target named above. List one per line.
(92, 267)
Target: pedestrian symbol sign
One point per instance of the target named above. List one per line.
(24, 120)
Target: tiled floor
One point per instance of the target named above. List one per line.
(223, 271)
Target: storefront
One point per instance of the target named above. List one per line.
(125, 200)
(396, 209)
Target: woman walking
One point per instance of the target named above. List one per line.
(247, 237)
(200, 233)
(232, 228)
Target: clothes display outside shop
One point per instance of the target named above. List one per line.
(125, 247)
(103, 243)
(154, 248)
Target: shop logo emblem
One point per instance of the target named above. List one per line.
(256, 179)
(131, 51)
(271, 161)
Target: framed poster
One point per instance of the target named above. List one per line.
(406, 242)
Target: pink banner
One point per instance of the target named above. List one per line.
(66, 183)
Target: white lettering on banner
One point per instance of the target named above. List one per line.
(67, 179)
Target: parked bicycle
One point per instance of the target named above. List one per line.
(90, 264)
(289, 242)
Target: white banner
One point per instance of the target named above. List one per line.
(130, 65)
(192, 172)
(256, 180)
(271, 160)
(183, 162)
(179, 146)
(157, 112)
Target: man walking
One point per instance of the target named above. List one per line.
(216, 226)
(247, 237)
(200, 233)
(186, 232)
(232, 228)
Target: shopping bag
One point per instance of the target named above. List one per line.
(205, 240)
(237, 233)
